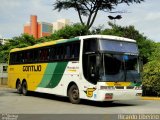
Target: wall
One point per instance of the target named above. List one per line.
(3, 74)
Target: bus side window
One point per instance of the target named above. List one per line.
(22, 57)
(41, 55)
(36, 55)
(52, 53)
(60, 52)
(32, 56)
(67, 51)
(18, 58)
(44, 53)
(90, 45)
(25, 57)
(12, 58)
(57, 53)
(75, 50)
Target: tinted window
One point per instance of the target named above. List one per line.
(90, 45)
(59, 52)
(44, 54)
(118, 46)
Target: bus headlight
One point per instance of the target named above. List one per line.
(138, 88)
(107, 87)
(138, 94)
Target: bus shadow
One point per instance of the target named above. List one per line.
(49, 96)
(86, 102)
(105, 104)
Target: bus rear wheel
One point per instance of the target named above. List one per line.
(24, 88)
(73, 94)
(19, 87)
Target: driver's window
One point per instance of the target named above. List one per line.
(90, 46)
(90, 69)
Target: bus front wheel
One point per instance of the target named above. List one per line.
(24, 88)
(73, 94)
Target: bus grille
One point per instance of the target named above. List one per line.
(119, 87)
(130, 87)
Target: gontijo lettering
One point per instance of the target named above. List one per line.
(31, 68)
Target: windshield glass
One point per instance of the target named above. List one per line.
(116, 67)
(118, 46)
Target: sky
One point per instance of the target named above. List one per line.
(15, 13)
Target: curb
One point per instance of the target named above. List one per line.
(3, 86)
(150, 98)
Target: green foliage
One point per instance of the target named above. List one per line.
(151, 74)
(17, 42)
(146, 46)
(156, 53)
(69, 32)
(151, 78)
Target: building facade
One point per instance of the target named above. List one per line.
(37, 29)
(3, 74)
(2, 40)
(41, 29)
(59, 24)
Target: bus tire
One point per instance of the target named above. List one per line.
(19, 87)
(24, 88)
(73, 94)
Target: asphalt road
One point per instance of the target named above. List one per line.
(13, 103)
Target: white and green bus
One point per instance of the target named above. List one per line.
(92, 67)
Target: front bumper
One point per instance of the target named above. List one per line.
(113, 95)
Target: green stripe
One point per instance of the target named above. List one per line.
(67, 40)
(136, 84)
(48, 74)
(53, 74)
(57, 75)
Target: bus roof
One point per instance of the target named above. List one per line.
(73, 39)
(45, 44)
(107, 37)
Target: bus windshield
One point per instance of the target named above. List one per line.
(110, 60)
(118, 67)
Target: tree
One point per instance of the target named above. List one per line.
(155, 54)
(69, 32)
(17, 42)
(151, 73)
(90, 8)
(151, 78)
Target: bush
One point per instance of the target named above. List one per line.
(151, 78)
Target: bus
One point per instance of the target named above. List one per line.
(91, 67)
